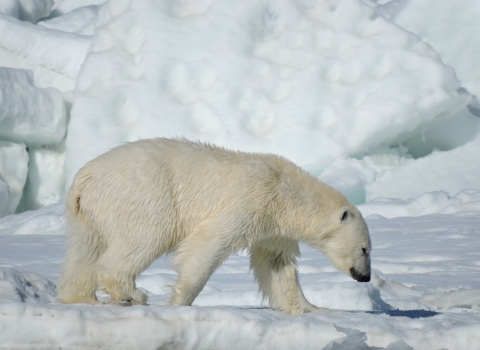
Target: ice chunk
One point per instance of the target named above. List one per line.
(45, 221)
(474, 107)
(444, 135)
(464, 203)
(185, 8)
(460, 298)
(310, 80)
(44, 77)
(46, 182)
(65, 6)
(33, 10)
(26, 287)
(450, 171)
(3, 197)
(80, 21)
(451, 29)
(10, 8)
(427, 203)
(354, 339)
(28, 114)
(13, 172)
(17, 51)
(26, 10)
(350, 176)
(53, 49)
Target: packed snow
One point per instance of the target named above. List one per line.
(284, 77)
(424, 294)
(377, 98)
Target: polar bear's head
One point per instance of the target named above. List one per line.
(348, 244)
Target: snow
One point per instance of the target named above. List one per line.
(58, 51)
(27, 287)
(445, 150)
(45, 183)
(3, 197)
(466, 202)
(284, 77)
(424, 294)
(65, 6)
(26, 10)
(450, 171)
(79, 21)
(48, 220)
(10, 8)
(350, 176)
(33, 10)
(28, 114)
(13, 173)
(375, 97)
(436, 23)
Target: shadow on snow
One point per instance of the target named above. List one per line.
(405, 313)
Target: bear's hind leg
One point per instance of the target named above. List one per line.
(197, 257)
(118, 268)
(275, 268)
(122, 290)
(77, 282)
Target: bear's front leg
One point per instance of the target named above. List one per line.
(197, 257)
(274, 265)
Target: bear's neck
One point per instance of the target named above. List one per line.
(303, 220)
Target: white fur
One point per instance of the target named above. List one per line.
(200, 203)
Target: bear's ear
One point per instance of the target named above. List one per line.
(344, 215)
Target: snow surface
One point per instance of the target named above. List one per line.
(424, 294)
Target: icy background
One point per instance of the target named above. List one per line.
(376, 98)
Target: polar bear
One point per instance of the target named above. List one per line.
(200, 203)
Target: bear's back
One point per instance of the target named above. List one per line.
(184, 180)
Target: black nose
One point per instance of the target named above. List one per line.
(358, 276)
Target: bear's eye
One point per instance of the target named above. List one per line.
(364, 250)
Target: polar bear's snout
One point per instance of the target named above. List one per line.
(360, 277)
